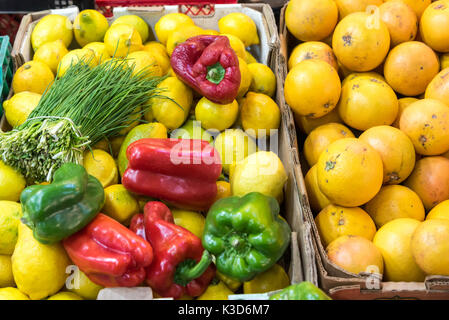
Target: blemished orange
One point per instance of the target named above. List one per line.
(346, 7)
(312, 50)
(418, 6)
(317, 200)
(438, 88)
(400, 20)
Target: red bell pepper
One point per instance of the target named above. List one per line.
(180, 265)
(210, 66)
(109, 254)
(180, 171)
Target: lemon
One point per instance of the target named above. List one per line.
(99, 49)
(89, 26)
(160, 53)
(18, 108)
(119, 203)
(241, 26)
(169, 23)
(233, 146)
(263, 79)
(249, 58)
(122, 39)
(10, 213)
(261, 172)
(144, 60)
(236, 45)
(147, 130)
(172, 115)
(51, 28)
(273, 279)
(101, 165)
(84, 287)
(190, 220)
(260, 115)
(12, 183)
(73, 57)
(10, 293)
(6, 277)
(65, 296)
(39, 270)
(51, 54)
(191, 129)
(245, 78)
(34, 76)
(137, 22)
(214, 116)
(180, 35)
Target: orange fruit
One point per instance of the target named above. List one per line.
(426, 123)
(410, 66)
(394, 202)
(312, 50)
(438, 88)
(346, 7)
(440, 211)
(434, 26)
(334, 221)
(355, 254)
(403, 103)
(400, 20)
(317, 199)
(350, 172)
(418, 6)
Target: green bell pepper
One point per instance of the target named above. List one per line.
(246, 235)
(58, 210)
(301, 291)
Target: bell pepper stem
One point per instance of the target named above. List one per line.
(189, 270)
(215, 73)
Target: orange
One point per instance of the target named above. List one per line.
(312, 50)
(430, 246)
(395, 149)
(318, 140)
(361, 41)
(307, 124)
(355, 254)
(438, 88)
(394, 202)
(317, 199)
(371, 74)
(410, 67)
(311, 20)
(418, 6)
(335, 221)
(434, 26)
(394, 242)
(403, 103)
(367, 102)
(430, 180)
(426, 123)
(400, 20)
(444, 61)
(346, 7)
(312, 88)
(350, 172)
(440, 211)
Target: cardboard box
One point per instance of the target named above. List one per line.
(267, 53)
(339, 283)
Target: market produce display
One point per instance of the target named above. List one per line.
(133, 161)
(367, 82)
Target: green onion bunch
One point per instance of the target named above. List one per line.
(78, 110)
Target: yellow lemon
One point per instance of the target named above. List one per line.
(180, 35)
(89, 26)
(233, 146)
(273, 279)
(241, 26)
(34, 76)
(10, 213)
(217, 291)
(51, 54)
(39, 270)
(263, 79)
(216, 116)
(232, 284)
(249, 58)
(223, 190)
(11, 293)
(169, 23)
(160, 53)
(121, 40)
(246, 78)
(260, 115)
(143, 60)
(237, 45)
(12, 183)
(99, 49)
(261, 172)
(190, 220)
(51, 28)
(191, 129)
(65, 296)
(6, 277)
(101, 165)
(137, 22)
(119, 203)
(73, 57)
(172, 115)
(18, 108)
(84, 287)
